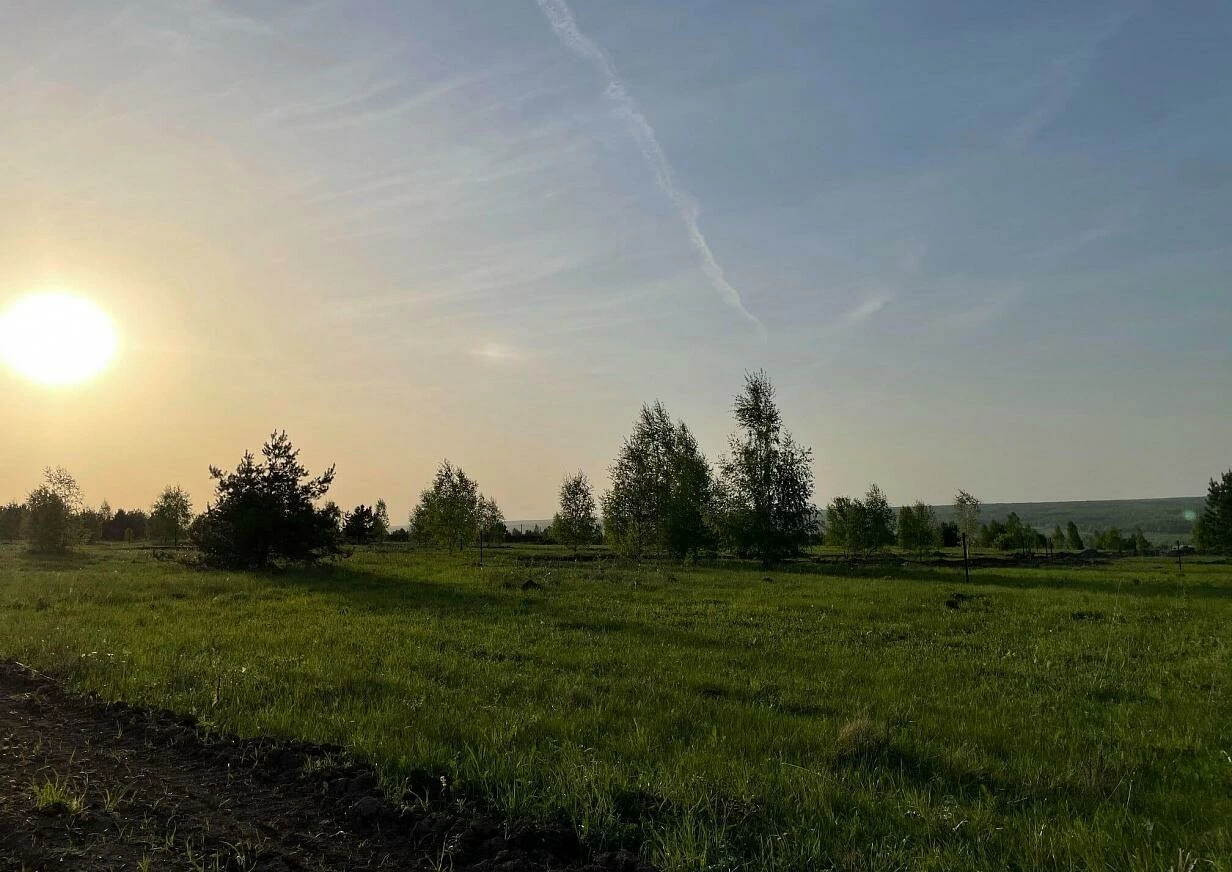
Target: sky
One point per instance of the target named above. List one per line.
(976, 245)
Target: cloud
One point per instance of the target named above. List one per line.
(563, 24)
(1062, 81)
(864, 310)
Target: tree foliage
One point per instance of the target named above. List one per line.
(1213, 530)
(966, 515)
(170, 515)
(11, 517)
(51, 518)
(575, 523)
(1073, 539)
(661, 497)
(359, 525)
(767, 479)
(447, 514)
(917, 528)
(265, 512)
(864, 526)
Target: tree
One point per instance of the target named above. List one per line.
(170, 515)
(1072, 538)
(917, 528)
(447, 514)
(846, 525)
(491, 520)
(689, 504)
(47, 521)
(11, 520)
(359, 526)
(949, 534)
(575, 523)
(1058, 538)
(767, 484)
(879, 518)
(265, 512)
(50, 519)
(380, 529)
(1141, 545)
(661, 496)
(967, 517)
(1213, 532)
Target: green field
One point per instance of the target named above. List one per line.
(713, 717)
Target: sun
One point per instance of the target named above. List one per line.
(56, 338)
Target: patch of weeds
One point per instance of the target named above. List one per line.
(861, 740)
(58, 797)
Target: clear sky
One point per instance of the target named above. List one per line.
(978, 245)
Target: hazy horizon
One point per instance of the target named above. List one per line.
(974, 247)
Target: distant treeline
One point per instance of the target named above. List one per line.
(665, 498)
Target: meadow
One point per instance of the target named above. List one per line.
(717, 716)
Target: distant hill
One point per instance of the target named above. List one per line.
(1162, 520)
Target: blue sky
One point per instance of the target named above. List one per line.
(977, 245)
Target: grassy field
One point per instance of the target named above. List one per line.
(714, 717)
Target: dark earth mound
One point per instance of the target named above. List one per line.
(86, 784)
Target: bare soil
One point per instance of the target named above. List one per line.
(86, 784)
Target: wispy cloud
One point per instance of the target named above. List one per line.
(864, 310)
(1062, 81)
(566, 29)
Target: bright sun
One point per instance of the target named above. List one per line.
(56, 338)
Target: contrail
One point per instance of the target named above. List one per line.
(563, 23)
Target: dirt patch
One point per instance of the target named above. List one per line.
(106, 786)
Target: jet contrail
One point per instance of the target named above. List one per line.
(563, 23)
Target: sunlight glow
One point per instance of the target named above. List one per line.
(56, 338)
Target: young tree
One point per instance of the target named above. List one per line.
(879, 517)
(447, 514)
(688, 505)
(491, 520)
(767, 478)
(967, 517)
(47, 521)
(661, 493)
(264, 512)
(51, 517)
(1141, 545)
(575, 523)
(1214, 533)
(1058, 538)
(170, 515)
(633, 507)
(359, 525)
(917, 528)
(847, 525)
(1072, 537)
(381, 517)
(10, 520)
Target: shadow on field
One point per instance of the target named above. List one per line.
(53, 562)
(1027, 578)
(370, 591)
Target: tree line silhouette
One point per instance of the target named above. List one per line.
(665, 498)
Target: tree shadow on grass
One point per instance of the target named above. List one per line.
(370, 591)
(1028, 578)
(56, 561)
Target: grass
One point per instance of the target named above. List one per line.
(58, 795)
(713, 717)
